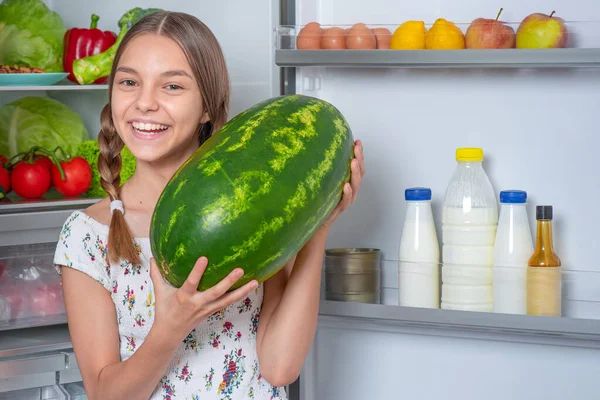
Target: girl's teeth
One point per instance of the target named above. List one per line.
(148, 128)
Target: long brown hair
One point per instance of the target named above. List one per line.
(206, 60)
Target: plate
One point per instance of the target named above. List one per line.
(34, 79)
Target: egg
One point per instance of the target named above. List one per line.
(383, 36)
(333, 39)
(309, 37)
(360, 38)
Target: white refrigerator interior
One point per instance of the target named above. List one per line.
(537, 128)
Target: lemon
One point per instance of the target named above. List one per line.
(409, 36)
(444, 35)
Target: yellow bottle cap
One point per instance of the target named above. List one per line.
(469, 154)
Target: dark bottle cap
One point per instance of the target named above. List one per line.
(543, 212)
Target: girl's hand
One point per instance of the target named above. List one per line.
(180, 310)
(357, 167)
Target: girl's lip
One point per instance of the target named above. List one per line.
(142, 136)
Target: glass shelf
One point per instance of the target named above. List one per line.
(52, 88)
(582, 51)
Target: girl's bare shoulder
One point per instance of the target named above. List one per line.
(100, 211)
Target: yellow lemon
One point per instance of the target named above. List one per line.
(409, 36)
(444, 35)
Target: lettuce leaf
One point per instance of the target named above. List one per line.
(39, 121)
(31, 35)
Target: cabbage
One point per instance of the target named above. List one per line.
(31, 35)
(39, 121)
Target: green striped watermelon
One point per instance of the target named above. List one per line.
(255, 192)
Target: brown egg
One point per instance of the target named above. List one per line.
(333, 39)
(384, 36)
(360, 38)
(309, 37)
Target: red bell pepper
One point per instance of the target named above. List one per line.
(80, 43)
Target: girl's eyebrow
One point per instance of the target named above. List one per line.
(175, 72)
(127, 70)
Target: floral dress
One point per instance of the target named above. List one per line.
(217, 360)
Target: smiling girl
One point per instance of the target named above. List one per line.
(134, 335)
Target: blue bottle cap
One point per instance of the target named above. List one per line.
(417, 194)
(513, 196)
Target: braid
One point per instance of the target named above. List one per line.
(120, 241)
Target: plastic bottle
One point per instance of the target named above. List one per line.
(418, 273)
(512, 249)
(544, 271)
(469, 221)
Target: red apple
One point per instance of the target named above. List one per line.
(485, 33)
(542, 31)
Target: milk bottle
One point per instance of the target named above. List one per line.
(469, 221)
(512, 249)
(418, 273)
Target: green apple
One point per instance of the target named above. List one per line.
(542, 31)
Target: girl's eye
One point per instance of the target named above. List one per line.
(127, 82)
(174, 87)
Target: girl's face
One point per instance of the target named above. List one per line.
(156, 102)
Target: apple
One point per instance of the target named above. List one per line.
(485, 33)
(542, 31)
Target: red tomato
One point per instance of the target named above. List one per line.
(45, 300)
(4, 181)
(78, 177)
(41, 159)
(30, 180)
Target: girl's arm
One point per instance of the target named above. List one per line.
(94, 331)
(288, 319)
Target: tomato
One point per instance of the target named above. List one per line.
(45, 300)
(78, 177)
(4, 181)
(30, 180)
(41, 159)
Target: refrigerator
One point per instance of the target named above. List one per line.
(533, 113)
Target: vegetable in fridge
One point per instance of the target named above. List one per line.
(89, 69)
(39, 121)
(81, 42)
(31, 35)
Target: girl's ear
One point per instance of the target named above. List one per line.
(205, 118)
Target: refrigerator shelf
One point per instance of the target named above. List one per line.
(24, 342)
(23, 223)
(522, 328)
(53, 88)
(507, 58)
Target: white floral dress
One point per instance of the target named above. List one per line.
(218, 358)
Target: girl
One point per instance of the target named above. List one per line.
(134, 335)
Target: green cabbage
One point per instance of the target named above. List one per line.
(31, 35)
(39, 121)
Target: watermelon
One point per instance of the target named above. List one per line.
(254, 193)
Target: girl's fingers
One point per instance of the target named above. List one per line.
(222, 287)
(156, 277)
(358, 154)
(233, 296)
(356, 179)
(193, 280)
